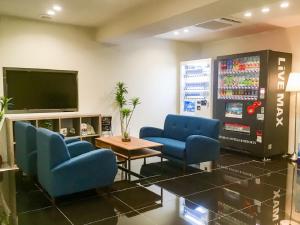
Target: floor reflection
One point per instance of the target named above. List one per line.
(234, 190)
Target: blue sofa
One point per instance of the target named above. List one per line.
(26, 152)
(61, 173)
(186, 139)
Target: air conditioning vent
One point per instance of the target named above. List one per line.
(45, 17)
(230, 20)
(218, 24)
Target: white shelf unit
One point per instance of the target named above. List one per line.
(53, 121)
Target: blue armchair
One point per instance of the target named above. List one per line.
(186, 139)
(61, 173)
(26, 152)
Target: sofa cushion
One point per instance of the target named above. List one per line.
(171, 147)
(180, 127)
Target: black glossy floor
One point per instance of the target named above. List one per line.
(235, 190)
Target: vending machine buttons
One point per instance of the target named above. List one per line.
(262, 93)
(259, 135)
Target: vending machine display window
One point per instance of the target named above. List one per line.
(195, 87)
(234, 110)
(239, 78)
(236, 127)
(193, 215)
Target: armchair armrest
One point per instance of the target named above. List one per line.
(71, 140)
(92, 165)
(201, 149)
(79, 147)
(151, 132)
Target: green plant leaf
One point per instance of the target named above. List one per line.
(120, 94)
(121, 101)
(4, 103)
(125, 112)
(135, 101)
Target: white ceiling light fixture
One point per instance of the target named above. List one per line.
(265, 10)
(186, 30)
(284, 5)
(57, 8)
(176, 33)
(248, 14)
(51, 12)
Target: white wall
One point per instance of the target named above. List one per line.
(41, 45)
(286, 40)
(149, 67)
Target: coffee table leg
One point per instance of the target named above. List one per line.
(129, 169)
(145, 162)
(126, 173)
(161, 163)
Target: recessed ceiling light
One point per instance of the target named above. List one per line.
(176, 33)
(284, 4)
(50, 12)
(186, 30)
(57, 8)
(265, 10)
(248, 14)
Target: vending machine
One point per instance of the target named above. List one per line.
(251, 103)
(196, 88)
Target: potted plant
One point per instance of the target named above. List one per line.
(125, 111)
(4, 103)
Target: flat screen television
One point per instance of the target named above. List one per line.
(41, 90)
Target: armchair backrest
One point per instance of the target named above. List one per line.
(25, 136)
(51, 151)
(179, 127)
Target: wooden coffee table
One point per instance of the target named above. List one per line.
(127, 151)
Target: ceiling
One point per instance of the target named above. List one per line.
(91, 13)
(259, 22)
(117, 21)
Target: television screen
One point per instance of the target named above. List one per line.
(35, 90)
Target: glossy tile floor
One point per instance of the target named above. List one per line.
(234, 190)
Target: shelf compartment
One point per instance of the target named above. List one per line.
(239, 87)
(70, 127)
(238, 97)
(89, 126)
(231, 72)
(50, 124)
